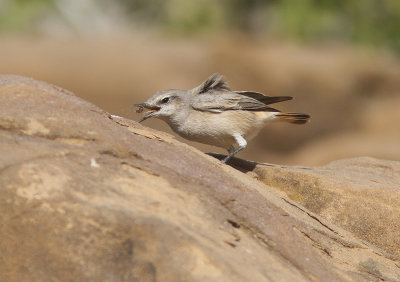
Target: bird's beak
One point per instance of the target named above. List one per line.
(149, 114)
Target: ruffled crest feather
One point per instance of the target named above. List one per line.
(215, 82)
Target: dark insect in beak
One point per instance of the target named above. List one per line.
(149, 114)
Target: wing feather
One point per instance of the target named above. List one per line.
(215, 82)
(264, 98)
(214, 95)
(223, 101)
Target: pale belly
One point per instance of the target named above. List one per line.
(218, 129)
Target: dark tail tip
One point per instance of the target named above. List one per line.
(294, 118)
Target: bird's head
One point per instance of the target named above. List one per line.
(163, 104)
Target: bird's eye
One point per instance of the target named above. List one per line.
(165, 100)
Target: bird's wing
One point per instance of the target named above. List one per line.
(215, 82)
(267, 100)
(214, 95)
(219, 101)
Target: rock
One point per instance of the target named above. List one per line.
(91, 197)
(362, 195)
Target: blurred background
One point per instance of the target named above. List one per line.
(338, 59)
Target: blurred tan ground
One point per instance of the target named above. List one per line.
(352, 95)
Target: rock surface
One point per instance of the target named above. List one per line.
(361, 195)
(90, 197)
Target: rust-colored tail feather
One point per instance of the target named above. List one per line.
(294, 117)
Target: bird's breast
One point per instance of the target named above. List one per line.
(218, 128)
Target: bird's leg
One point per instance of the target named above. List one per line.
(242, 144)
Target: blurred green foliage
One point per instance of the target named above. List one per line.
(370, 22)
(375, 22)
(17, 15)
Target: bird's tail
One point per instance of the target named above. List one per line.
(295, 118)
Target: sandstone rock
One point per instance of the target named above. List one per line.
(361, 195)
(90, 197)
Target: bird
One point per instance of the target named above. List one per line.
(213, 114)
